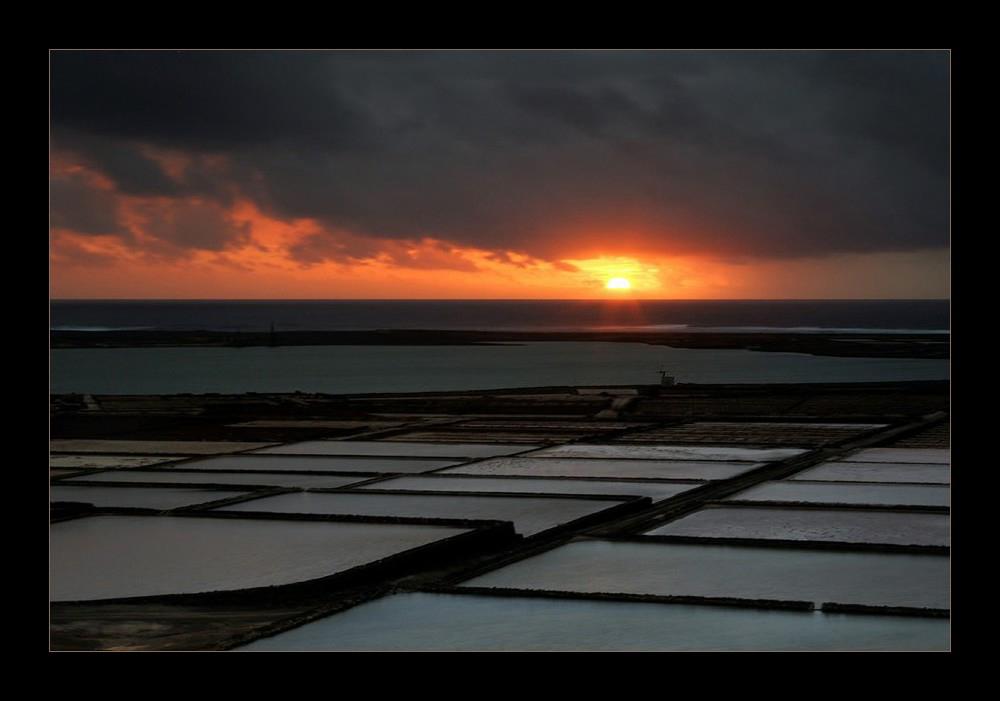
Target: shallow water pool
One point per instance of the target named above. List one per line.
(443, 622)
(877, 579)
(836, 525)
(102, 557)
(529, 514)
(590, 467)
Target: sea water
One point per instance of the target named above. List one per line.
(800, 316)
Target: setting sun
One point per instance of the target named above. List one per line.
(618, 283)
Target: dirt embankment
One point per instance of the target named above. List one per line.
(875, 345)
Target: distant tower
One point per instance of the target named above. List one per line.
(667, 380)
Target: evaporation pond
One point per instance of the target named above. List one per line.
(654, 490)
(877, 472)
(102, 557)
(846, 493)
(530, 515)
(106, 461)
(268, 479)
(941, 456)
(668, 452)
(461, 623)
(397, 448)
(79, 445)
(785, 574)
(138, 497)
(824, 525)
(317, 463)
(588, 467)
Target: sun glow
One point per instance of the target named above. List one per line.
(618, 275)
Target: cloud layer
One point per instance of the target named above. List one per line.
(551, 155)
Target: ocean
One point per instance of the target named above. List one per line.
(842, 316)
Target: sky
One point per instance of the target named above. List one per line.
(499, 174)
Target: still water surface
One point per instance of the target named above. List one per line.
(410, 622)
(361, 369)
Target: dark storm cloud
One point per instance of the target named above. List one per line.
(737, 153)
(194, 225)
(591, 114)
(76, 204)
(203, 100)
(121, 161)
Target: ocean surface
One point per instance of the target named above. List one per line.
(842, 316)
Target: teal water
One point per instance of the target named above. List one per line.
(819, 576)
(361, 369)
(412, 622)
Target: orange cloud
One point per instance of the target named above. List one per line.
(188, 246)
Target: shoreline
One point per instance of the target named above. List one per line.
(855, 345)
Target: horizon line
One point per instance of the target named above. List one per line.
(495, 299)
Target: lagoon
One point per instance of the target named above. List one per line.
(364, 369)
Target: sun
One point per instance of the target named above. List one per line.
(618, 283)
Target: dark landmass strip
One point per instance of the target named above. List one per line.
(236, 417)
(874, 345)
